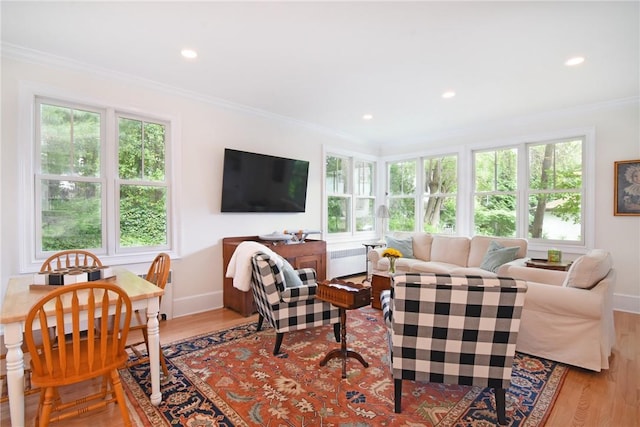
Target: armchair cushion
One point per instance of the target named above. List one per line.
(588, 269)
(291, 278)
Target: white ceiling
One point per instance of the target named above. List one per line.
(328, 63)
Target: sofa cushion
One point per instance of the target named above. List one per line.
(404, 245)
(450, 250)
(422, 246)
(497, 255)
(586, 271)
(480, 244)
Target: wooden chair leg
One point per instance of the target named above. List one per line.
(397, 395)
(48, 401)
(163, 364)
(116, 386)
(336, 331)
(501, 409)
(279, 337)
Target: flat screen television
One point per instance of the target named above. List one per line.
(253, 182)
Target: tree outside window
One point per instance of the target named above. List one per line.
(440, 194)
(555, 190)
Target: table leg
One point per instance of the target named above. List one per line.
(15, 372)
(153, 333)
(342, 352)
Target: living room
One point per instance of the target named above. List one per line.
(204, 125)
(220, 113)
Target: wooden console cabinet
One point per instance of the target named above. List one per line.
(310, 254)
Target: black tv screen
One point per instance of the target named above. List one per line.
(253, 182)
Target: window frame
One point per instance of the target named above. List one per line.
(31, 254)
(352, 195)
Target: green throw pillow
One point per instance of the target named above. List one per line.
(404, 245)
(291, 278)
(497, 255)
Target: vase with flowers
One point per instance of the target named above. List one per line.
(393, 255)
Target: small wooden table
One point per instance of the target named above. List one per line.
(345, 296)
(546, 265)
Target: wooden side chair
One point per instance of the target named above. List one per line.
(78, 354)
(158, 274)
(70, 258)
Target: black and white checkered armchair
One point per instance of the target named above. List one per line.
(289, 308)
(453, 330)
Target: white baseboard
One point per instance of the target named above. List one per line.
(628, 303)
(197, 304)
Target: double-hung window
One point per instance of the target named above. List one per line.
(402, 196)
(439, 201)
(351, 195)
(101, 180)
(495, 196)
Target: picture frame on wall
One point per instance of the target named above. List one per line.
(627, 188)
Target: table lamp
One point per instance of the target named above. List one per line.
(383, 214)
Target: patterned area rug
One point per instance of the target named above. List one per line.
(231, 378)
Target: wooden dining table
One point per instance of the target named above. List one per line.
(19, 298)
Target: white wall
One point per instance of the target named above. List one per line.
(206, 129)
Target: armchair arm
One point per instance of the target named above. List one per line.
(299, 293)
(307, 275)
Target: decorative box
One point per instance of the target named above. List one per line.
(554, 255)
(344, 294)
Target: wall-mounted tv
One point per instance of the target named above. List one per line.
(253, 182)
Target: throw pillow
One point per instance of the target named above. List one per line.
(497, 255)
(404, 245)
(291, 278)
(586, 271)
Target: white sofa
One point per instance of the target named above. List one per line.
(567, 316)
(446, 254)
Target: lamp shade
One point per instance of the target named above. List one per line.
(382, 212)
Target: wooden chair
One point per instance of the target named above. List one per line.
(70, 258)
(78, 354)
(158, 274)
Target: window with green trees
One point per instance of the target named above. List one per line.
(350, 187)
(76, 197)
(555, 190)
(402, 195)
(439, 202)
(496, 177)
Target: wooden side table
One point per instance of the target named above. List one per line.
(546, 265)
(345, 296)
(379, 282)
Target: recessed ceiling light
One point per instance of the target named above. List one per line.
(448, 94)
(367, 117)
(189, 53)
(577, 60)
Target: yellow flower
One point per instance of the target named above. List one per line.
(391, 253)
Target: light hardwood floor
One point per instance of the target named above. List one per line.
(608, 398)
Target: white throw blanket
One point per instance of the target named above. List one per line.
(239, 267)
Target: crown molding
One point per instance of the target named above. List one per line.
(37, 57)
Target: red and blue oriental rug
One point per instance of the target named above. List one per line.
(231, 378)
